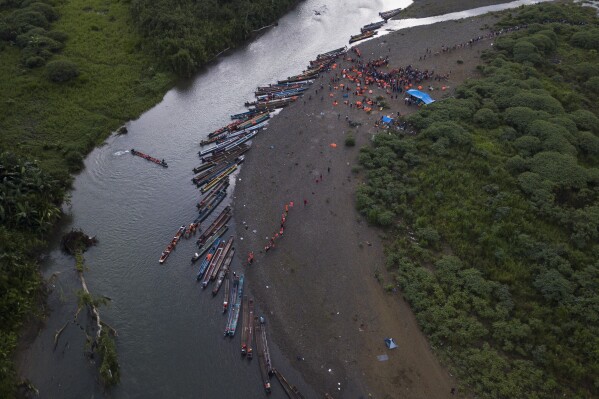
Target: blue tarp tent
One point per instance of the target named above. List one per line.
(425, 98)
(386, 119)
(390, 343)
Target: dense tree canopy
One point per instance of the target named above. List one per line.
(495, 211)
(186, 34)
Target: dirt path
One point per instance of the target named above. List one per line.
(318, 285)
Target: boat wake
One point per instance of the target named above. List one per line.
(119, 153)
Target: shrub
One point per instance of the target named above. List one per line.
(350, 141)
(486, 118)
(585, 120)
(588, 143)
(525, 51)
(47, 10)
(385, 218)
(587, 39)
(562, 170)
(537, 101)
(528, 145)
(35, 62)
(522, 117)
(593, 84)
(62, 71)
(74, 160)
(24, 20)
(455, 133)
(516, 165)
(57, 35)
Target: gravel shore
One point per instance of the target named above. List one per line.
(317, 286)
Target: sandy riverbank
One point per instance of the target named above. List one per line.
(317, 286)
(429, 8)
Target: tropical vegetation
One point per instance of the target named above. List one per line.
(494, 209)
(71, 72)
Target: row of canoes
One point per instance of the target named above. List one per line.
(368, 31)
(389, 14)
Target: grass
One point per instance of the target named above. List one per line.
(117, 82)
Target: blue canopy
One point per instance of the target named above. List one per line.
(386, 119)
(425, 98)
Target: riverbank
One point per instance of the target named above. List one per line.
(318, 286)
(430, 8)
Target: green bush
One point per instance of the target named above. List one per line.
(60, 71)
(486, 118)
(525, 51)
(35, 62)
(350, 140)
(585, 120)
(588, 143)
(527, 145)
(522, 117)
(586, 39)
(74, 160)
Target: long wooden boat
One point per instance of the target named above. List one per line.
(205, 173)
(373, 26)
(389, 14)
(210, 195)
(241, 140)
(218, 178)
(216, 148)
(203, 167)
(226, 155)
(331, 53)
(207, 260)
(213, 261)
(291, 390)
(208, 209)
(171, 246)
(220, 220)
(276, 88)
(222, 259)
(250, 338)
(229, 127)
(263, 354)
(203, 177)
(232, 301)
(157, 161)
(224, 272)
(191, 229)
(255, 120)
(217, 235)
(278, 103)
(227, 293)
(232, 327)
(245, 324)
(280, 94)
(236, 133)
(298, 78)
(245, 115)
(362, 36)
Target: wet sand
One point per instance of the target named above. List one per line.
(317, 287)
(429, 8)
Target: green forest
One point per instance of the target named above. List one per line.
(72, 72)
(494, 212)
(187, 34)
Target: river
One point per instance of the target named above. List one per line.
(170, 341)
